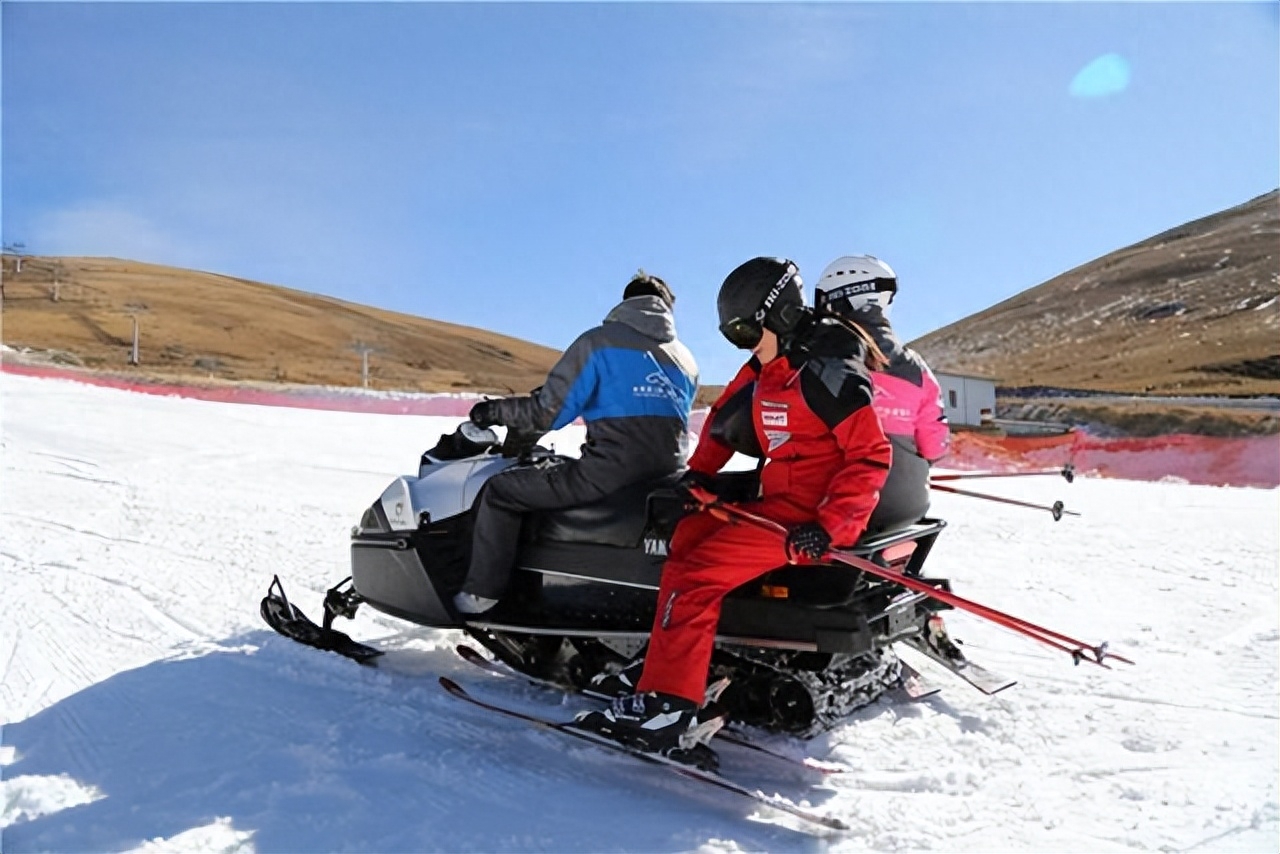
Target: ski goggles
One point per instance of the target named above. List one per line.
(743, 332)
(854, 296)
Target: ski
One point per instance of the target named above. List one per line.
(287, 619)
(475, 657)
(690, 772)
(986, 681)
(915, 684)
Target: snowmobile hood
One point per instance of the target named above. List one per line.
(647, 315)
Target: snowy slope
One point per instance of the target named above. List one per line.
(145, 706)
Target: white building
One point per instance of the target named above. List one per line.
(968, 399)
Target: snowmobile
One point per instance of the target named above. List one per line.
(802, 646)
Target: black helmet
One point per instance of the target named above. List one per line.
(764, 293)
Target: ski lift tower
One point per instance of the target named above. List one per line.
(57, 281)
(134, 309)
(364, 350)
(15, 249)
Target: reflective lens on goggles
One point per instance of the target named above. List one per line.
(743, 333)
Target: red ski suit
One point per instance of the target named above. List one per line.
(826, 458)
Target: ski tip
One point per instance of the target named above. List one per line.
(470, 653)
(824, 820)
(451, 686)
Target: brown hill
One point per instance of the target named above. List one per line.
(1193, 310)
(203, 325)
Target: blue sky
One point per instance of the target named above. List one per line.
(510, 165)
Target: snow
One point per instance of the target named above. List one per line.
(146, 707)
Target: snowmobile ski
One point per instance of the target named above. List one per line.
(734, 737)
(975, 674)
(688, 771)
(283, 616)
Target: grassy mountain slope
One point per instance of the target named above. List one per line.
(202, 325)
(1192, 310)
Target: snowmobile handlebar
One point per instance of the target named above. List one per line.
(1078, 650)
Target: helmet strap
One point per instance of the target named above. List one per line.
(774, 292)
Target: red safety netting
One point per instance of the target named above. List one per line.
(1247, 461)
(309, 397)
(1250, 461)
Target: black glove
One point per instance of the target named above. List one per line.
(692, 478)
(484, 414)
(809, 540)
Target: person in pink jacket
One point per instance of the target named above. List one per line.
(907, 399)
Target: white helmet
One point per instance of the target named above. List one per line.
(854, 282)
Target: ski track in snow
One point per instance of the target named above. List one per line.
(146, 707)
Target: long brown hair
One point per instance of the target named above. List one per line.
(873, 357)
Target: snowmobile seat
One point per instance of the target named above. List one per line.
(618, 519)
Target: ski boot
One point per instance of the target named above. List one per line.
(941, 643)
(608, 685)
(622, 683)
(663, 724)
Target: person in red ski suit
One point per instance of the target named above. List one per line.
(825, 459)
(908, 400)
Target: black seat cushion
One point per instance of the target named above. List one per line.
(618, 519)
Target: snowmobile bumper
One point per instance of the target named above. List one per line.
(387, 572)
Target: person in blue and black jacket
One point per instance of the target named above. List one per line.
(633, 383)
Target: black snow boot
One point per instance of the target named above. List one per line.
(663, 724)
(608, 685)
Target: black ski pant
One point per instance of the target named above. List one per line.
(904, 498)
(505, 500)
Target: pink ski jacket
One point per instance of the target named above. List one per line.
(909, 403)
(907, 396)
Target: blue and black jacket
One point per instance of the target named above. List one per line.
(632, 382)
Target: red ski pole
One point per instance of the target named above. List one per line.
(1078, 650)
(1068, 471)
(1058, 509)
